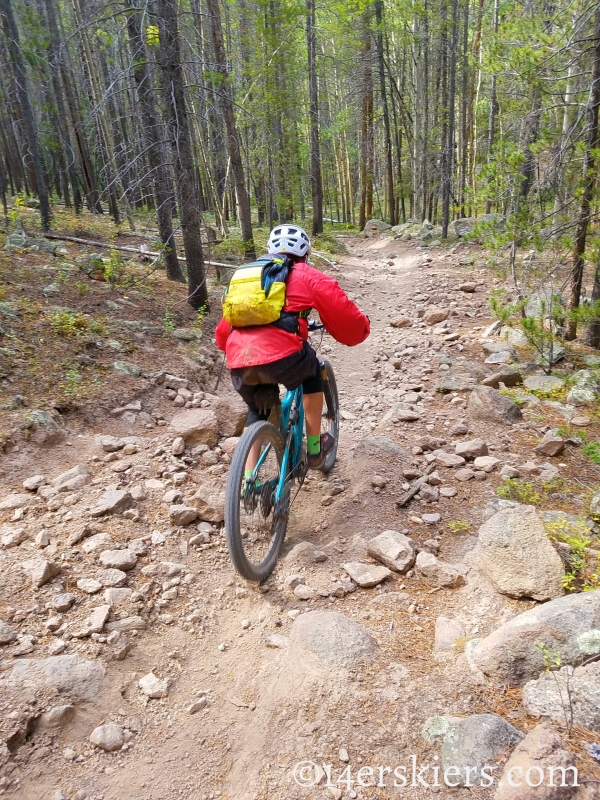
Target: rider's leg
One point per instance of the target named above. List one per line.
(313, 411)
(312, 389)
(265, 396)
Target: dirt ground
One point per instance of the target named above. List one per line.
(267, 709)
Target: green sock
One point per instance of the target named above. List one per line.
(313, 445)
(248, 473)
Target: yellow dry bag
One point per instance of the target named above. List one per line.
(256, 293)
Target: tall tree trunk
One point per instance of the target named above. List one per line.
(10, 29)
(366, 166)
(464, 106)
(58, 65)
(315, 154)
(181, 144)
(473, 90)
(492, 115)
(161, 183)
(449, 161)
(531, 133)
(389, 161)
(226, 101)
(591, 332)
(115, 187)
(592, 142)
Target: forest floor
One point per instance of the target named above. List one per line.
(239, 713)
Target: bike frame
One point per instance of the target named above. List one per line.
(292, 428)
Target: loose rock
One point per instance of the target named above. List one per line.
(118, 559)
(112, 502)
(471, 449)
(152, 686)
(393, 549)
(438, 573)
(7, 634)
(516, 555)
(488, 404)
(196, 426)
(108, 737)
(366, 575)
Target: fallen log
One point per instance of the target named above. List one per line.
(137, 250)
(416, 486)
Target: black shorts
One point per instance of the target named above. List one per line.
(259, 386)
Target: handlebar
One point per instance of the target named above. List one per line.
(314, 325)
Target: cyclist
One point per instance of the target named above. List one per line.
(261, 357)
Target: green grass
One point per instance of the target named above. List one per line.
(519, 491)
(592, 451)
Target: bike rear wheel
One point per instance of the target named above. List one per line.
(255, 524)
(331, 417)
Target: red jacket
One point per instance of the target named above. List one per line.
(305, 288)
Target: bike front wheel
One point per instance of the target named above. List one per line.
(255, 522)
(331, 416)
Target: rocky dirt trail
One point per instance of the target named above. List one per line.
(134, 663)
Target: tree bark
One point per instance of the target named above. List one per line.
(464, 106)
(173, 87)
(315, 154)
(58, 66)
(592, 142)
(366, 166)
(233, 143)
(492, 115)
(449, 148)
(18, 62)
(389, 161)
(154, 149)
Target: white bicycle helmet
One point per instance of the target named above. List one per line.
(289, 239)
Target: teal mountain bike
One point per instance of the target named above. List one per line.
(257, 507)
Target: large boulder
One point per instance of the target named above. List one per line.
(196, 426)
(17, 241)
(516, 652)
(488, 404)
(516, 555)
(470, 745)
(43, 428)
(231, 413)
(541, 755)
(570, 696)
(379, 448)
(585, 389)
(374, 227)
(70, 674)
(542, 303)
(333, 638)
(456, 382)
(509, 376)
(466, 225)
